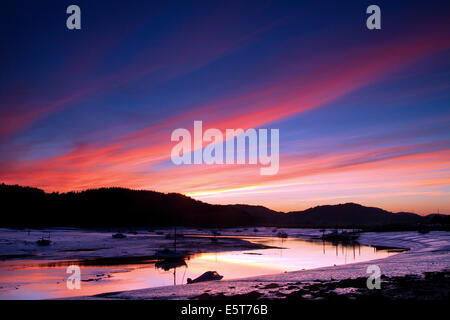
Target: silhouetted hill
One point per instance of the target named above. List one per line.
(107, 207)
(437, 218)
(351, 214)
(119, 207)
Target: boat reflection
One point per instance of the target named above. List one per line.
(169, 265)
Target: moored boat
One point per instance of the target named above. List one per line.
(207, 276)
(118, 236)
(167, 254)
(43, 242)
(340, 236)
(282, 235)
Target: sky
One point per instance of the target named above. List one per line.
(363, 115)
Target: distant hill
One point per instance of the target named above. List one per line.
(351, 214)
(119, 207)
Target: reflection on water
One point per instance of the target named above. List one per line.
(38, 279)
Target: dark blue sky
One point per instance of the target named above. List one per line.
(95, 107)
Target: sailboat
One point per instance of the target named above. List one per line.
(171, 255)
(340, 236)
(44, 242)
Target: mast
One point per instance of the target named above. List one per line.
(175, 239)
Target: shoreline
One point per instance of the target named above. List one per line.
(428, 253)
(413, 254)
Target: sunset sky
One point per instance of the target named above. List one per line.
(364, 115)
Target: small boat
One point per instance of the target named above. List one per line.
(207, 276)
(43, 242)
(118, 236)
(282, 235)
(423, 231)
(170, 255)
(169, 265)
(340, 236)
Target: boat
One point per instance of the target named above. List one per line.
(207, 276)
(340, 236)
(43, 242)
(170, 255)
(118, 236)
(282, 235)
(215, 234)
(169, 265)
(171, 236)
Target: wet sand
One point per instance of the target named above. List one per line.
(433, 286)
(417, 271)
(415, 260)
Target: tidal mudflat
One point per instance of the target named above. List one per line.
(127, 268)
(410, 274)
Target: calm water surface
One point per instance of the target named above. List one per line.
(44, 279)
